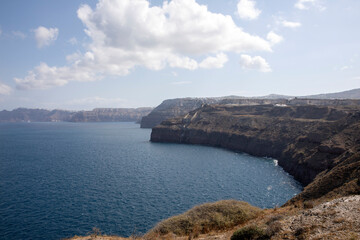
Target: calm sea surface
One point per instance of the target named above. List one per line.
(62, 179)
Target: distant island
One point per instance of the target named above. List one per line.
(95, 115)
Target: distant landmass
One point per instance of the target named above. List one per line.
(96, 115)
(170, 108)
(176, 107)
(349, 94)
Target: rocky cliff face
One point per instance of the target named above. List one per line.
(111, 115)
(176, 107)
(306, 140)
(171, 108)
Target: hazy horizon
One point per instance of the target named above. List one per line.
(85, 54)
(92, 108)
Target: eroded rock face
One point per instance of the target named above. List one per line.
(173, 108)
(306, 140)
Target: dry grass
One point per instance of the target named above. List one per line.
(207, 217)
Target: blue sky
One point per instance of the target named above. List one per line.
(83, 54)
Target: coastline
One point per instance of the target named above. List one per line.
(306, 140)
(266, 133)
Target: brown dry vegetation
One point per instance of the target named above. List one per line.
(207, 217)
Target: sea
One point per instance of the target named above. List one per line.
(61, 179)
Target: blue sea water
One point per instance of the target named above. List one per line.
(62, 179)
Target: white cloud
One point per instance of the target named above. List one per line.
(214, 62)
(177, 62)
(0, 31)
(246, 10)
(307, 4)
(280, 21)
(274, 38)
(5, 89)
(19, 34)
(45, 36)
(289, 24)
(255, 63)
(43, 76)
(128, 33)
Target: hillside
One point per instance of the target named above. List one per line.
(176, 107)
(336, 219)
(350, 94)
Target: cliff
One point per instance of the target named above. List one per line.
(96, 115)
(111, 115)
(315, 144)
(176, 107)
(34, 115)
(171, 108)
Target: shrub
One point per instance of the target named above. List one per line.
(249, 233)
(274, 225)
(301, 233)
(273, 228)
(207, 217)
(274, 218)
(308, 204)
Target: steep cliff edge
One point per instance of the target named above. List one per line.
(171, 108)
(306, 140)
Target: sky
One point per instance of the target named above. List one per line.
(83, 54)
